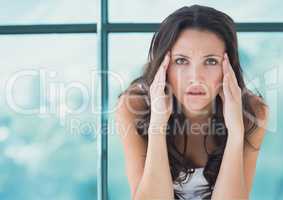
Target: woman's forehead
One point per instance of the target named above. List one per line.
(198, 43)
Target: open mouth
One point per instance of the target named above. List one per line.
(196, 93)
(196, 90)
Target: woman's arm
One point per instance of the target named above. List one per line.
(238, 166)
(156, 182)
(133, 145)
(252, 147)
(149, 178)
(230, 183)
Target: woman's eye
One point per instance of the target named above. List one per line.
(181, 61)
(211, 61)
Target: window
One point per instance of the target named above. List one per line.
(58, 151)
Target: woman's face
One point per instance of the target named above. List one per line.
(196, 66)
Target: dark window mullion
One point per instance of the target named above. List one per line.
(46, 29)
(102, 142)
(122, 28)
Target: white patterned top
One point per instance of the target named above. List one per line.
(190, 188)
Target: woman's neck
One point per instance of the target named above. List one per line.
(199, 116)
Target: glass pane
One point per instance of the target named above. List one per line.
(44, 144)
(258, 65)
(49, 11)
(157, 10)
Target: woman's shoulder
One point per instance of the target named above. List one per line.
(259, 106)
(261, 110)
(131, 103)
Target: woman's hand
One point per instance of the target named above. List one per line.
(231, 96)
(161, 103)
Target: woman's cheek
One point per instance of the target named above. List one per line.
(217, 83)
(173, 81)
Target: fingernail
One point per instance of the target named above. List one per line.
(168, 54)
(224, 60)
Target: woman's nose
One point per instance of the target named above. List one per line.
(196, 73)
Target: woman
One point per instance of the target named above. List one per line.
(190, 127)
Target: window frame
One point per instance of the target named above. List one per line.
(103, 28)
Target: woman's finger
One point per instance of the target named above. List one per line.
(233, 83)
(230, 69)
(226, 88)
(163, 68)
(224, 65)
(160, 76)
(166, 60)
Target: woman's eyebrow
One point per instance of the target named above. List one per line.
(209, 55)
(178, 54)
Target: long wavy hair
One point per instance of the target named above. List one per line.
(201, 18)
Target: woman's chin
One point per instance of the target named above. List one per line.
(196, 110)
(197, 107)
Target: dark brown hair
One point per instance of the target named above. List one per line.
(207, 19)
